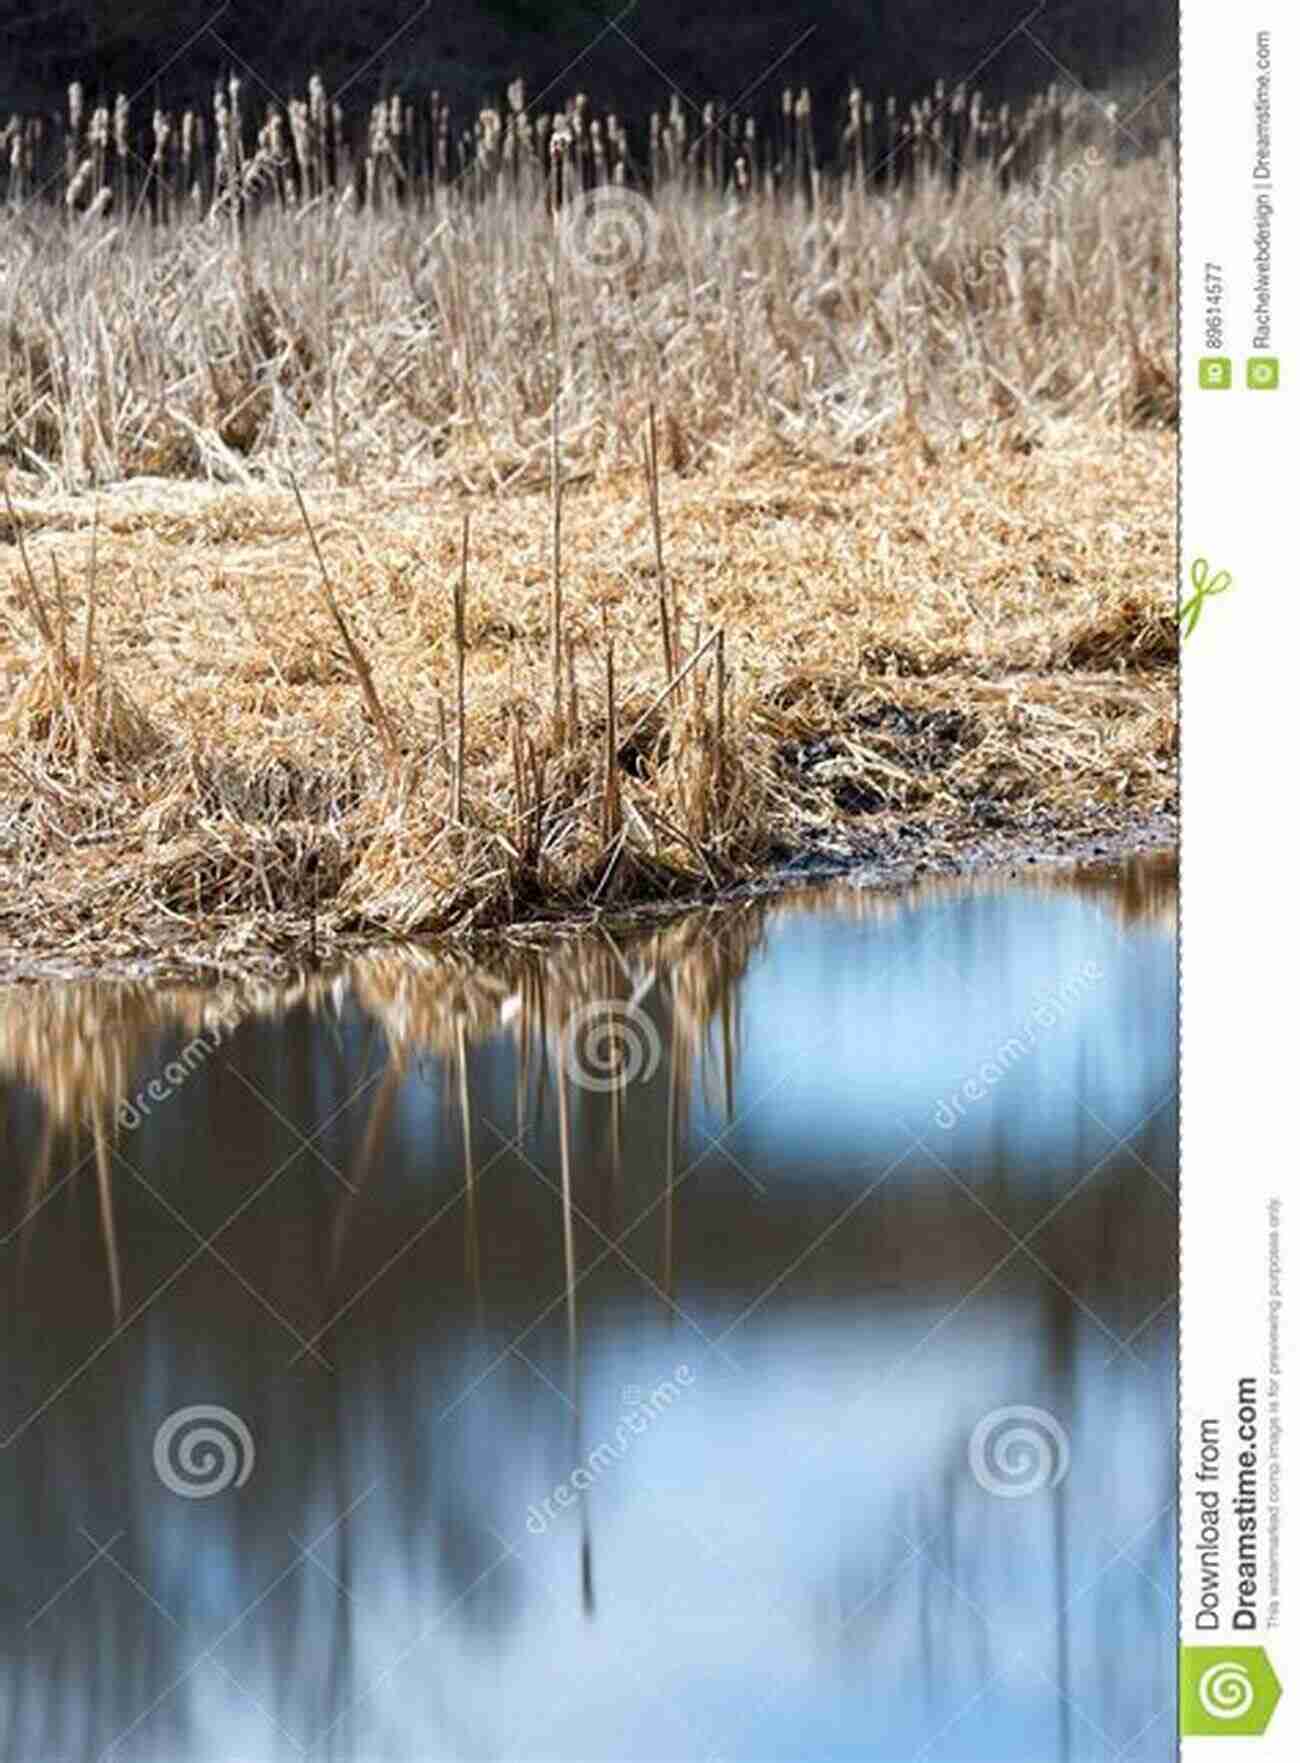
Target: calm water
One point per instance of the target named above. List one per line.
(549, 1416)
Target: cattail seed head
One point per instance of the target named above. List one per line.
(76, 189)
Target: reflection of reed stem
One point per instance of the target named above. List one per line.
(376, 1130)
(571, 1296)
(566, 1199)
(727, 1012)
(615, 1139)
(106, 1214)
(36, 1186)
(670, 1168)
(472, 1270)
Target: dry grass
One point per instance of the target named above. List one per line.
(896, 580)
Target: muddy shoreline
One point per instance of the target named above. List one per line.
(889, 863)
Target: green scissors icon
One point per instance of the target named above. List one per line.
(1190, 610)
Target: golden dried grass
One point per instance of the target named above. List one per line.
(892, 575)
(957, 646)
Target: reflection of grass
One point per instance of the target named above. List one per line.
(85, 1047)
(930, 512)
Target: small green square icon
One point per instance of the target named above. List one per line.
(1215, 373)
(1262, 373)
(1226, 1691)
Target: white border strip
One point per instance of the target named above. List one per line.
(1240, 508)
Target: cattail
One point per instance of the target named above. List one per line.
(78, 183)
(318, 112)
(162, 134)
(72, 146)
(236, 115)
(806, 153)
(187, 150)
(221, 115)
(299, 133)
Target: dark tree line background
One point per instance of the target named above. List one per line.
(470, 49)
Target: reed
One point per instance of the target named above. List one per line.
(892, 432)
(238, 295)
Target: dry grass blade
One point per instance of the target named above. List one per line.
(360, 665)
(460, 591)
(651, 459)
(35, 604)
(557, 489)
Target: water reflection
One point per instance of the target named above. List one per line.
(594, 1419)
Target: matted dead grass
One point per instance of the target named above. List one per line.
(916, 648)
(484, 547)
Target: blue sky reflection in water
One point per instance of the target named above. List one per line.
(686, 1469)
